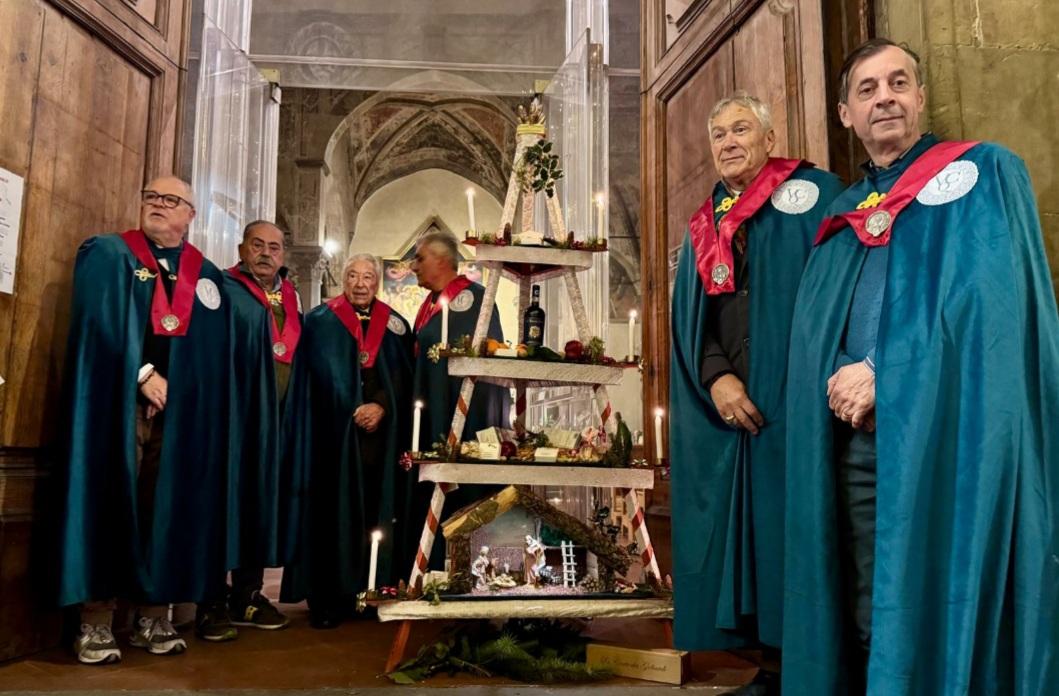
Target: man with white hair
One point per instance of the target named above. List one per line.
(348, 421)
(733, 298)
(141, 473)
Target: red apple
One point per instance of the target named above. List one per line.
(574, 350)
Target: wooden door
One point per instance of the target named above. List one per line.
(694, 54)
(88, 97)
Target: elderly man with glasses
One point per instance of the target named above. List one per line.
(144, 437)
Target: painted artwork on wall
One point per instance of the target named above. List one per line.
(399, 288)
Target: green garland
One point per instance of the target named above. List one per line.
(543, 651)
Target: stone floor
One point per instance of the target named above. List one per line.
(347, 660)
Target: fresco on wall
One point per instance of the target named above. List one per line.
(399, 288)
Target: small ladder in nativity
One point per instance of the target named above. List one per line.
(569, 564)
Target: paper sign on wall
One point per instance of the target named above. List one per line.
(11, 188)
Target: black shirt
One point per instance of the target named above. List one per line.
(728, 317)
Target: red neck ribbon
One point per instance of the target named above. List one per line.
(713, 249)
(428, 309)
(369, 345)
(168, 319)
(874, 225)
(285, 342)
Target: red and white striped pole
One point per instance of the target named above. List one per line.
(647, 551)
(430, 529)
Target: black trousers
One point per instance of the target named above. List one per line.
(856, 481)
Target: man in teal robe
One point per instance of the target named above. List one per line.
(141, 473)
(922, 515)
(436, 268)
(348, 421)
(732, 303)
(265, 328)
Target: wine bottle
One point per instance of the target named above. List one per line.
(533, 321)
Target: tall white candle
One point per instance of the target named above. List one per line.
(376, 537)
(470, 209)
(599, 215)
(416, 415)
(444, 322)
(658, 433)
(632, 334)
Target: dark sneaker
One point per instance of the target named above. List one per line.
(158, 637)
(96, 646)
(259, 613)
(213, 623)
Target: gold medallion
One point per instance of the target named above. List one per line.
(720, 273)
(279, 348)
(364, 357)
(878, 222)
(170, 322)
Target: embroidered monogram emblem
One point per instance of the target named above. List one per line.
(144, 274)
(208, 294)
(795, 196)
(953, 182)
(395, 325)
(462, 302)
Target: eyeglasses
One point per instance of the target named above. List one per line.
(165, 200)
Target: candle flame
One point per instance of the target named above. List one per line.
(632, 314)
(659, 412)
(419, 404)
(600, 200)
(376, 535)
(470, 193)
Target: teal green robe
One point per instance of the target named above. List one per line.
(490, 404)
(103, 552)
(333, 533)
(967, 379)
(258, 478)
(727, 485)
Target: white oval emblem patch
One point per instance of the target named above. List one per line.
(462, 302)
(795, 196)
(208, 293)
(396, 325)
(953, 182)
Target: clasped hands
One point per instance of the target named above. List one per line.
(368, 416)
(851, 395)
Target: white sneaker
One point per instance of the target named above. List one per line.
(158, 637)
(96, 645)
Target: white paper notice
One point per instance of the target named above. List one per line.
(11, 188)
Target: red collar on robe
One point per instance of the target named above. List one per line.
(874, 225)
(370, 344)
(429, 308)
(285, 342)
(168, 318)
(713, 250)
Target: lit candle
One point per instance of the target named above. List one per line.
(599, 215)
(470, 210)
(416, 415)
(444, 322)
(632, 334)
(658, 433)
(376, 537)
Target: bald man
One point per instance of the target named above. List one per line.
(141, 472)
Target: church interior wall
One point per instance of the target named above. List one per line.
(993, 74)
